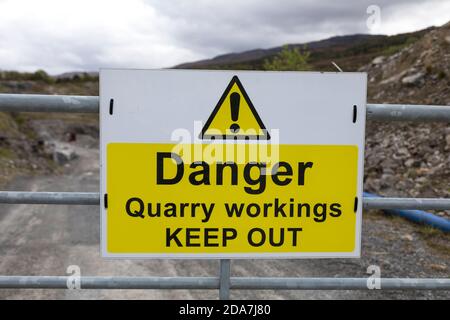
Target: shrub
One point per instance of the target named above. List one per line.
(289, 59)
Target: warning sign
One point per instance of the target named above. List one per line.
(200, 207)
(234, 117)
(175, 185)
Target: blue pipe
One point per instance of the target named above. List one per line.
(417, 216)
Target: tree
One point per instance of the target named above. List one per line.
(289, 59)
(41, 75)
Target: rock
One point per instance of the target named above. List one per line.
(387, 180)
(422, 179)
(407, 237)
(393, 78)
(63, 154)
(413, 79)
(439, 267)
(409, 162)
(421, 171)
(403, 151)
(378, 60)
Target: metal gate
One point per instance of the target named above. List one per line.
(223, 282)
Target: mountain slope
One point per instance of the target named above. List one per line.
(410, 159)
(350, 52)
(419, 73)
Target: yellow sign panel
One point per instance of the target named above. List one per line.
(207, 199)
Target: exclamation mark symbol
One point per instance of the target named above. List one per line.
(235, 99)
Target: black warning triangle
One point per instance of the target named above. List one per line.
(234, 117)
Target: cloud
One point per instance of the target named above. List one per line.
(66, 35)
(59, 35)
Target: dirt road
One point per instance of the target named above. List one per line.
(45, 240)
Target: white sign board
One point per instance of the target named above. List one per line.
(231, 164)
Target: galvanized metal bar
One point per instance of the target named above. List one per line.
(225, 273)
(408, 112)
(22, 197)
(253, 283)
(48, 103)
(90, 104)
(242, 283)
(93, 198)
(61, 282)
(407, 203)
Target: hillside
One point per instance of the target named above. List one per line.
(410, 159)
(24, 147)
(349, 52)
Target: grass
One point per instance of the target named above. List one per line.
(6, 124)
(430, 232)
(392, 49)
(6, 153)
(435, 239)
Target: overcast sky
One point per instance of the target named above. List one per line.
(67, 35)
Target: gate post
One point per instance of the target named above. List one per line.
(224, 283)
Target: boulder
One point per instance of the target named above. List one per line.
(63, 154)
(413, 79)
(378, 60)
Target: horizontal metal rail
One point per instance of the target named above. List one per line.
(93, 198)
(242, 283)
(408, 112)
(48, 103)
(90, 104)
(407, 203)
(259, 283)
(61, 282)
(23, 197)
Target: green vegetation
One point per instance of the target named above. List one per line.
(6, 153)
(289, 59)
(435, 238)
(39, 75)
(7, 125)
(397, 45)
(42, 76)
